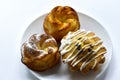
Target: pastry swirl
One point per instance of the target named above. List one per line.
(82, 50)
(40, 52)
(60, 21)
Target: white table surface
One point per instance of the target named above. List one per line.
(16, 14)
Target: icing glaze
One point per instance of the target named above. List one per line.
(67, 41)
(85, 63)
(94, 64)
(33, 46)
(76, 39)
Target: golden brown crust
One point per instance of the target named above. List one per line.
(40, 52)
(60, 21)
(84, 52)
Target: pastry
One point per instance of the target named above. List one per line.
(60, 21)
(40, 52)
(82, 50)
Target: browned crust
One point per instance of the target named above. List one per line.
(36, 60)
(32, 67)
(100, 59)
(60, 21)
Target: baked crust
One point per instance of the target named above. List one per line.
(60, 21)
(40, 52)
(82, 50)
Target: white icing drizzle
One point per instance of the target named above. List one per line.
(75, 63)
(99, 42)
(69, 59)
(85, 63)
(97, 49)
(64, 48)
(94, 64)
(67, 40)
(82, 66)
(87, 55)
(102, 57)
(65, 51)
(80, 59)
(92, 37)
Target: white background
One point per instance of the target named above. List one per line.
(16, 14)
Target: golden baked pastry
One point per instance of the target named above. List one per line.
(60, 21)
(82, 50)
(40, 52)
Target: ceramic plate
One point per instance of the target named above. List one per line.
(61, 71)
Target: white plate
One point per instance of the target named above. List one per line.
(61, 71)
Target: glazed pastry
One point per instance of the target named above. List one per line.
(40, 52)
(60, 21)
(82, 50)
